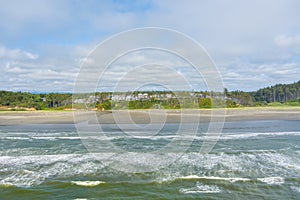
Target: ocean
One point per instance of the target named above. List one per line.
(251, 160)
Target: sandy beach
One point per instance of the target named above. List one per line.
(147, 116)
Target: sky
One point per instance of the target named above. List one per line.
(43, 44)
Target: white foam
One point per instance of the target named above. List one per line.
(4, 184)
(295, 189)
(55, 138)
(58, 138)
(212, 136)
(15, 138)
(201, 188)
(196, 177)
(24, 171)
(87, 183)
(254, 135)
(232, 180)
(272, 180)
(35, 169)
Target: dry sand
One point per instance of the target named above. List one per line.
(147, 116)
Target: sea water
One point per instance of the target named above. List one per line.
(251, 160)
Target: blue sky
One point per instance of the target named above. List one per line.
(43, 43)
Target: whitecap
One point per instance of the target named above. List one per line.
(255, 135)
(201, 188)
(25, 171)
(231, 179)
(272, 180)
(15, 138)
(56, 138)
(87, 183)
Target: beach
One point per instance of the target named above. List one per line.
(149, 116)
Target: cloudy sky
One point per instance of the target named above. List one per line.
(253, 43)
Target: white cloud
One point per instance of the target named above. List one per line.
(25, 71)
(287, 41)
(257, 75)
(16, 54)
(254, 43)
(36, 78)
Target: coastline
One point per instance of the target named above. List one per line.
(143, 117)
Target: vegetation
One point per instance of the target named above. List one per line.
(278, 95)
(21, 100)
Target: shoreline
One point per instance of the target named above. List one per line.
(149, 116)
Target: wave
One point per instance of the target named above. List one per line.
(268, 180)
(36, 169)
(5, 185)
(255, 135)
(87, 183)
(14, 138)
(201, 188)
(236, 136)
(57, 138)
(272, 180)
(241, 136)
(232, 180)
(25, 171)
(80, 199)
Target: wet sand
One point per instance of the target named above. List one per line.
(148, 116)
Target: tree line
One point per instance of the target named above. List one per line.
(278, 94)
(19, 100)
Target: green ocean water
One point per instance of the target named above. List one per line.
(251, 160)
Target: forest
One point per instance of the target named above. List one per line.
(277, 95)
